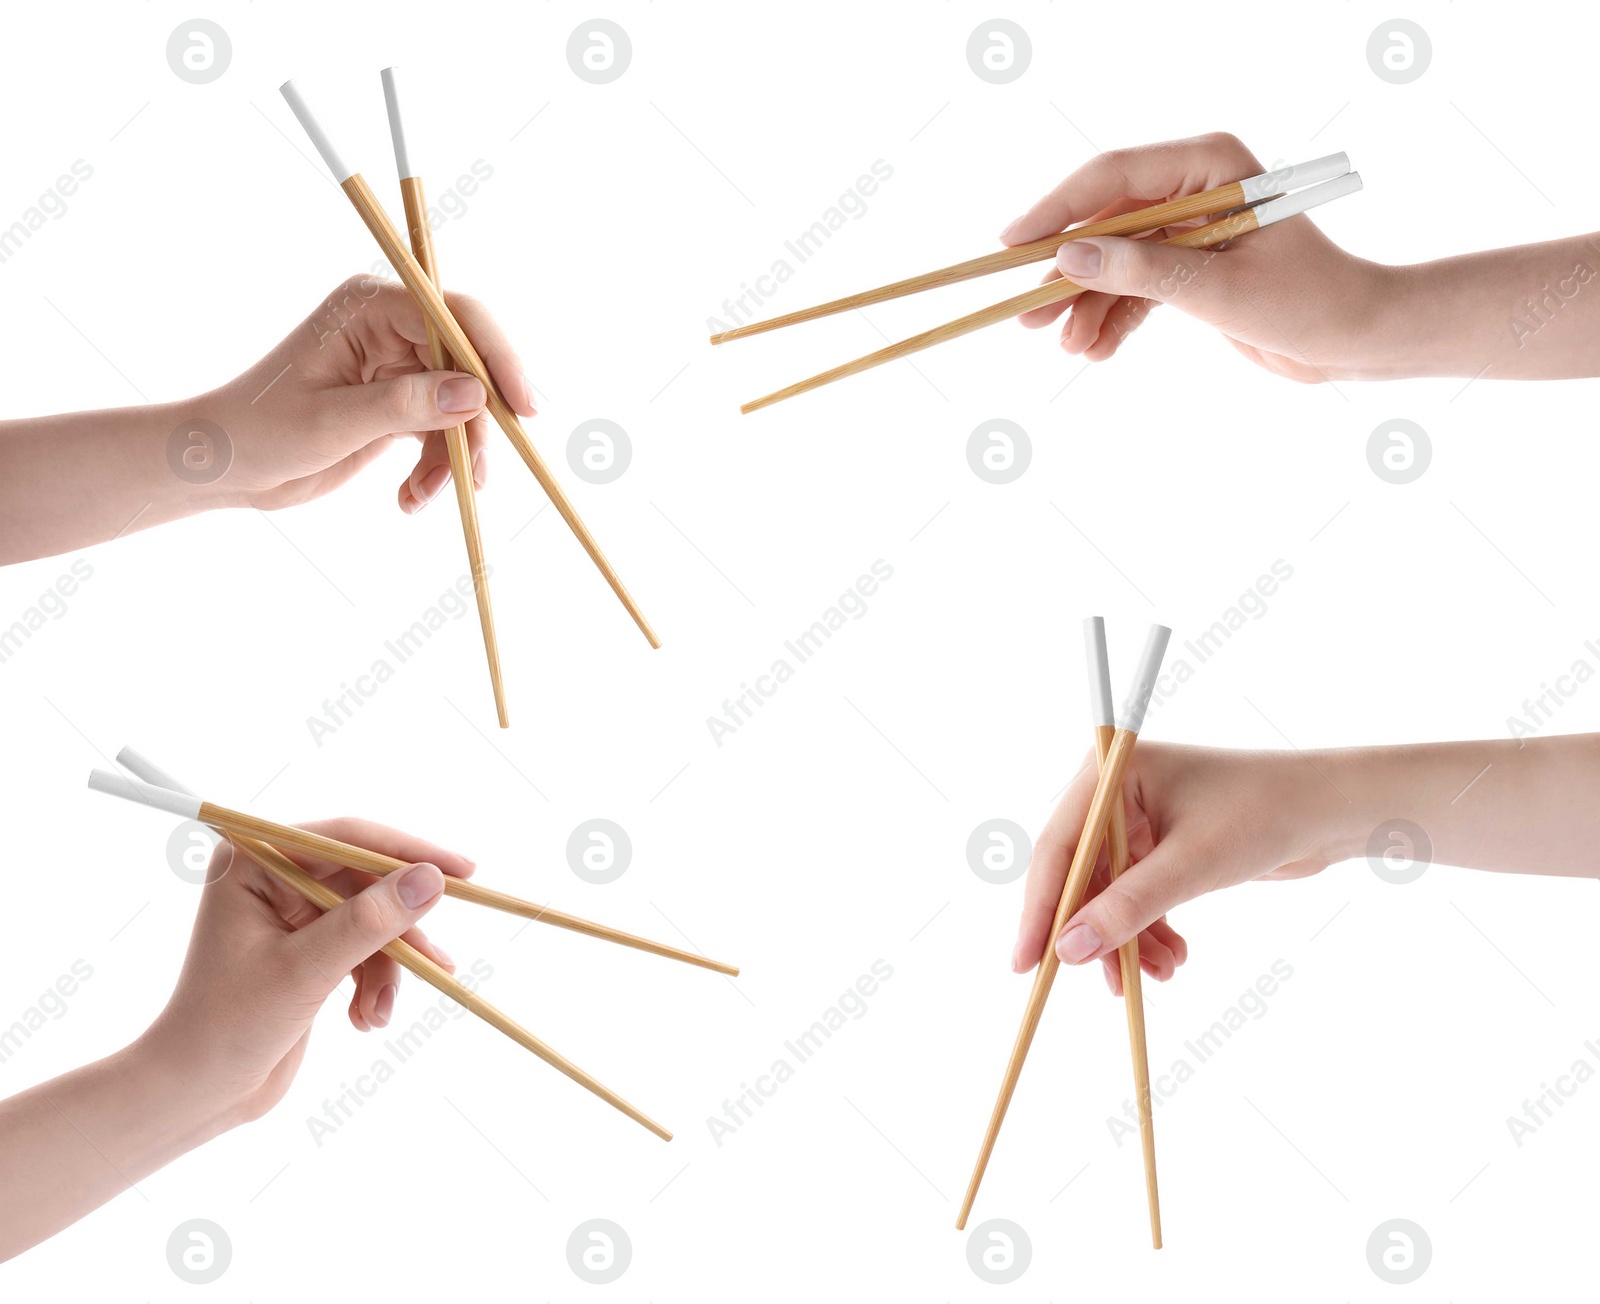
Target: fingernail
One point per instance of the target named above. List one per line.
(1078, 258)
(1077, 944)
(385, 1006)
(430, 485)
(527, 386)
(461, 394)
(419, 885)
(1010, 227)
(1111, 982)
(478, 464)
(444, 957)
(1016, 957)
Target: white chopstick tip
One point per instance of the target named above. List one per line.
(147, 771)
(1275, 210)
(145, 794)
(319, 138)
(1143, 685)
(397, 130)
(1101, 710)
(1294, 177)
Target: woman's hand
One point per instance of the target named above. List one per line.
(345, 383)
(1198, 819)
(1286, 297)
(262, 959)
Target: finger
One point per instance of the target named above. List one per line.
(1203, 282)
(1156, 958)
(1083, 325)
(1047, 868)
(411, 402)
(1174, 941)
(1150, 173)
(1125, 317)
(428, 476)
(386, 842)
(346, 936)
(1047, 314)
(1163, 879)
(495, 349)
(376, 989)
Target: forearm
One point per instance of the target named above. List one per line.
(70, 1144)
(1527, 313)
(1505, 805)
(84, 477)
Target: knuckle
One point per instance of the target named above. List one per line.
(371, 914)
(408, 395)
(1120, 909)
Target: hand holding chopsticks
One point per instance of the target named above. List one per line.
(1107, 795)
(261, 840)
(1265, 202)
(443, 322)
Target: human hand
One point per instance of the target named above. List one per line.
(1254, 290)
(262, 959)
(352, 378)
(1199, 819)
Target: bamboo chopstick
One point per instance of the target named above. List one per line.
(461, 470)
(325, 898)
(455, 339)
(1107, 792)
(372, 862)
(1232, 195)
(1227, 228)
(1128, 954)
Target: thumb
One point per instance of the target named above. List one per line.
(1128, 905)
(416, 401)
(366, 923)
(1196, 280)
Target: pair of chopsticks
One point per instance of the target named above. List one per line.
(449, 347)
(261, 839)
(1105, 824)
(1261, 201)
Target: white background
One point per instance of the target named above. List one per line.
(829, 832)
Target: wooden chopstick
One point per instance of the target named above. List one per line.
(325, 898)
(1107, 793)
(1133, 998)
(455, 339)
(461, 469)
(1169, 213)
(1103, 715)
(372, 862)
(1213, 233)
(1137, 223)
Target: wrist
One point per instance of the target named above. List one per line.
(192, 1106)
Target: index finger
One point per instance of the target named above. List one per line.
(1149, 174)
(386, 842)
(505, 367)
